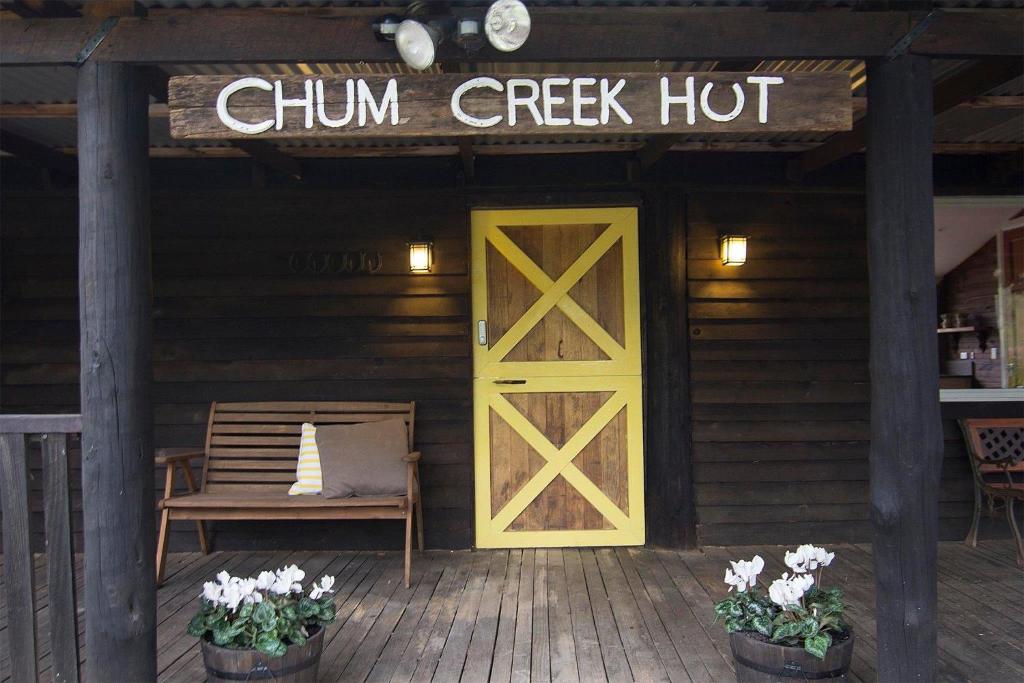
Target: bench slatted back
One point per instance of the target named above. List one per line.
(254, 447)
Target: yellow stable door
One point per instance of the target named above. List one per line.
(557, 388)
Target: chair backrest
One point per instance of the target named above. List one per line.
(254, 447)
(995, 443)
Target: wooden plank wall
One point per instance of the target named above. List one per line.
(233, 322)
(779, 371)
(778, 347)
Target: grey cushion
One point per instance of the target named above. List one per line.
(363, 459)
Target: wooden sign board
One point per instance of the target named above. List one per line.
(225, 107)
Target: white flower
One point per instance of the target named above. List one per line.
(224, 578)
(211, 591)
(288, 580)
(265, 580)
(232, 596)
(324, 587)
(787, 591)
(744, 573)
(808, 558)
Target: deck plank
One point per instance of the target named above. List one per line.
(504, 639)
(572, 614)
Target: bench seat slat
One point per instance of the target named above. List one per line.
(249, 489)
(272, 500)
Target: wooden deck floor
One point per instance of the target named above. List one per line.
(578, 615)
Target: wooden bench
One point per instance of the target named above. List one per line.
(996, 451)
(249, 464)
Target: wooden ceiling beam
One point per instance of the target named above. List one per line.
(950, 92)
(38, 154)
(598, 33)
(227, 152)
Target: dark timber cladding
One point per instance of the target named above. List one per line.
(116, 355)
(906, 434)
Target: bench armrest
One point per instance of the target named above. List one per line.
(165, 456)
(412, 457)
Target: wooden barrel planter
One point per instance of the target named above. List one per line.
(299, 664)
(759, 661)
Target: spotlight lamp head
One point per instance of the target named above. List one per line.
(507, 25)
(417, 43)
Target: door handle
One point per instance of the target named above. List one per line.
(481, 332)
(510, 381)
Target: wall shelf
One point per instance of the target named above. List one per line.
(954, 330)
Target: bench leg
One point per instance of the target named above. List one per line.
(161, 545)
(204, 544)
(408, 547)
(419, 521)
(972, 535)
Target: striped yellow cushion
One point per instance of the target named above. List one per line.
(309, 479)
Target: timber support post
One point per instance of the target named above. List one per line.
(906, 432)
(116, 370)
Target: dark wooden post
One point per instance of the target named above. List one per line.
(668, 455)
(906, 432)
(116, 353)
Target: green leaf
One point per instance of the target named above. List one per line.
(724, 607)
(810, 626)
(297, 636)
(290, 612)
(246, 610)
(326, 614)
(818, 645)
(789, 629)
(197, 627)
(756, 608)
(264, 613)
(762, 624)
(270, 645)
(308, 608)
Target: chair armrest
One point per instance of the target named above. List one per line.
(165, 456)
(412, 457)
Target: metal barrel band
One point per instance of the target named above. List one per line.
(262, 672)
(794, 672)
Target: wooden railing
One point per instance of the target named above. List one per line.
(19, 570)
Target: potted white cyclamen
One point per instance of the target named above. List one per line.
(795, 630)
(263, 627)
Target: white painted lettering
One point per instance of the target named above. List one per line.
(687, 99)
(609, 103)
(762, 83)
(456, 103)
(388, 102)
(280, 103)
(579, 99)
(530, 101)
(230, 121)
(550, 100)
(705, 106)
(321, 112)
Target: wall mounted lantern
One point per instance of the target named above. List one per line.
(421, 255)
(733, 250)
